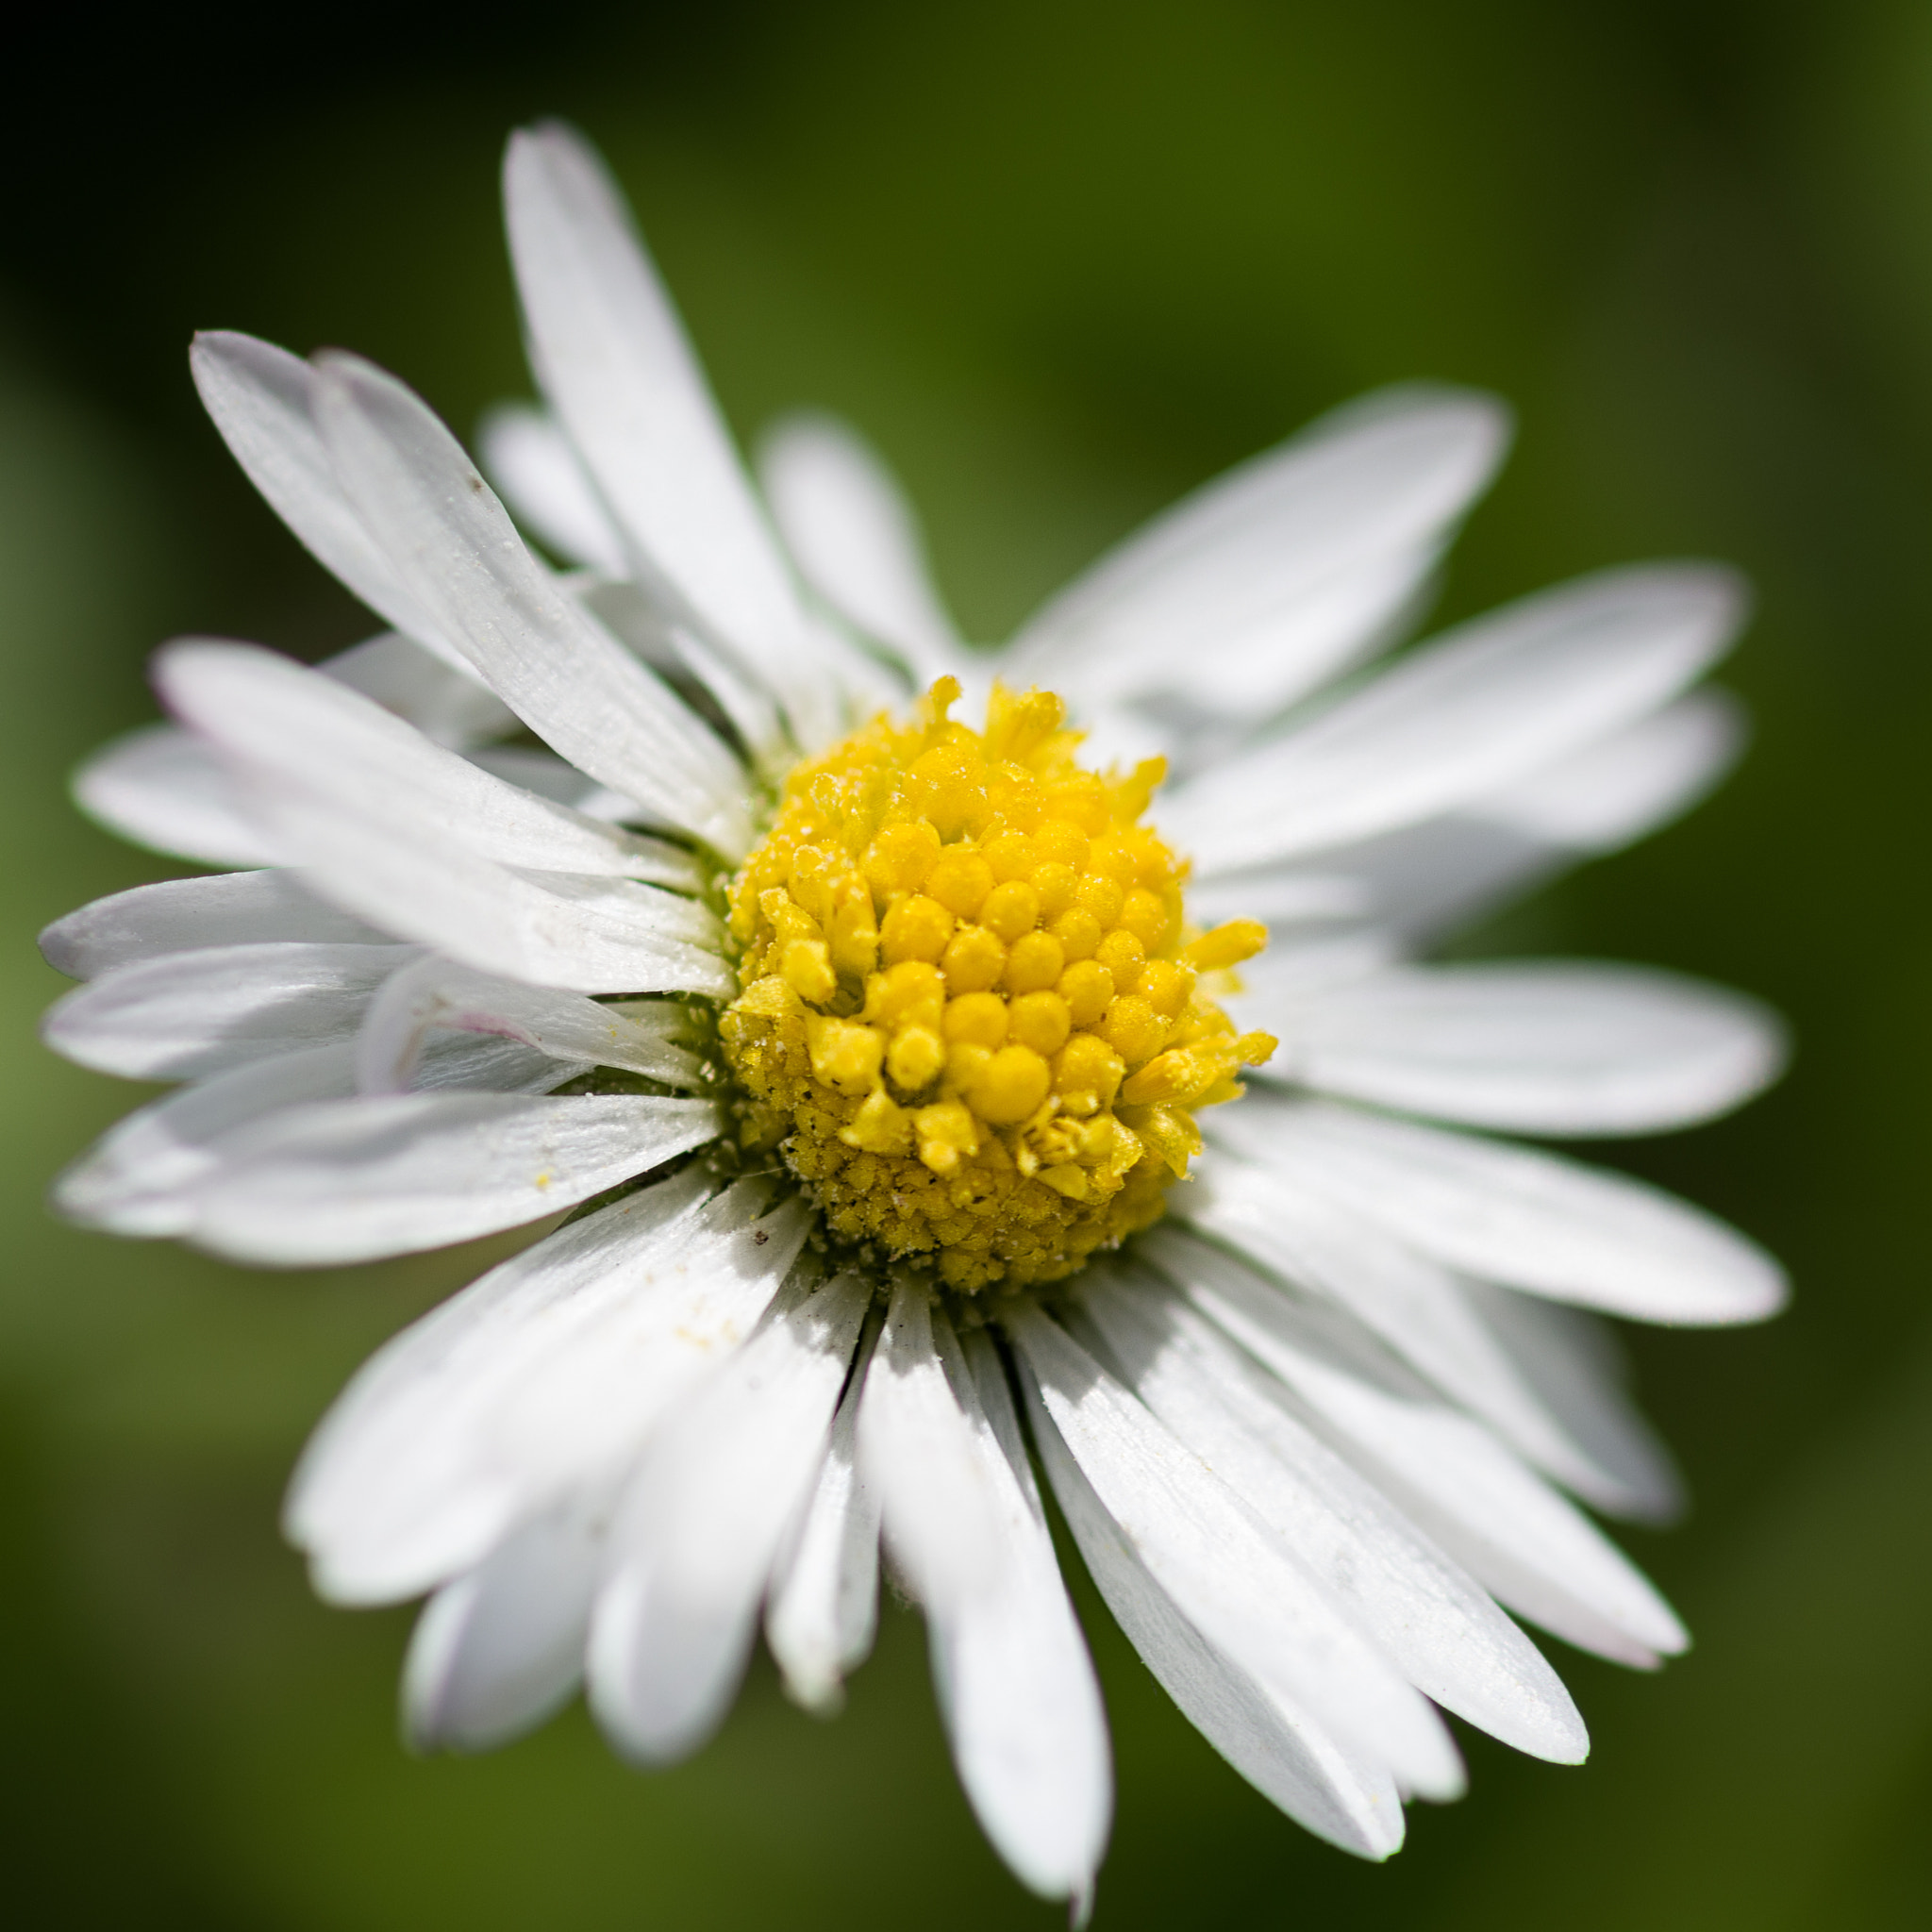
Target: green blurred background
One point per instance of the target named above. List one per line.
(1062, 261)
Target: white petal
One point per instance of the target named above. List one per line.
(138, 1177)
(702, 1520)
(446, 702)
(162, 788)
(550, 776)
(1015, 1684)
(450, 542)
(433, 993)
(181, 915)
(1527, 1220)
(823, 1609)
(855, 537)
(588, 934)
(497, 1651)
(349, 1180)
(612, 358)
(1256, 588)
(1463, 717)
(538, 1383)
(190, 1014)
(1339, 1794)
(917, 1456)
(537, 473)
(1429, 879)
(1422, 880)
(262, 399)
(1540, 1047)
(1418, 1307)
(1282, 896)
(1576, 1365)
(1296, 968)
(285, 726)
(1629, 785)
(141, 1177)
(1513, 1533)
(1226, 1575)
(1447, 1635)
(374, 1484)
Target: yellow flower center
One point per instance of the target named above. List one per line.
(972, 1016)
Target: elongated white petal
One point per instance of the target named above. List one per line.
(967, 1534)
(1298, 967)
(1280, 571)
(538, 473)
(162, 788)
(538, 1382)
(1417, 1307)
(182, 1014)
(1427, 878)
(442, 697)
(1481, 707)
(285, 726)
(1229, 1578)
(1542, 1047)
(450, 540)
(183, 915)
(1447, 1635)
(588, 934)
(1574, 1363)
(140, 1178)
(1340, 1795)
(917, 1456)
(1016, 1683)
(855, 539)
(1280, 896)
(1514, 1533)
(407, 1422)
(550, 776)
(433, 993)
(822, 1612)
(702, 1520)
(497, 1651)
(261, 399)
(1626, 786)
(350, 1180)
(1526, 1218)
(612, 358)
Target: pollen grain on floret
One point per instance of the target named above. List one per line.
(972, 1015)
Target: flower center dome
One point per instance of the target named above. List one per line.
(972, 1016)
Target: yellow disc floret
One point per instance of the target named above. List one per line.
(972, 1015)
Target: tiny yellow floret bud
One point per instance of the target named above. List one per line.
(916, 1057)
(960, 880)
(1035, 962)
(1123, 956)
(915, 928)
(1012, 1086)
(1011, 910)
(1087, 987)
(900, 858)
(973, 961)
(1039, 1019)
(979, 1019)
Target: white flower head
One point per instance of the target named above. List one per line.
(885, 1053)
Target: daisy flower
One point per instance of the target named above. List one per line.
(900, 1077)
